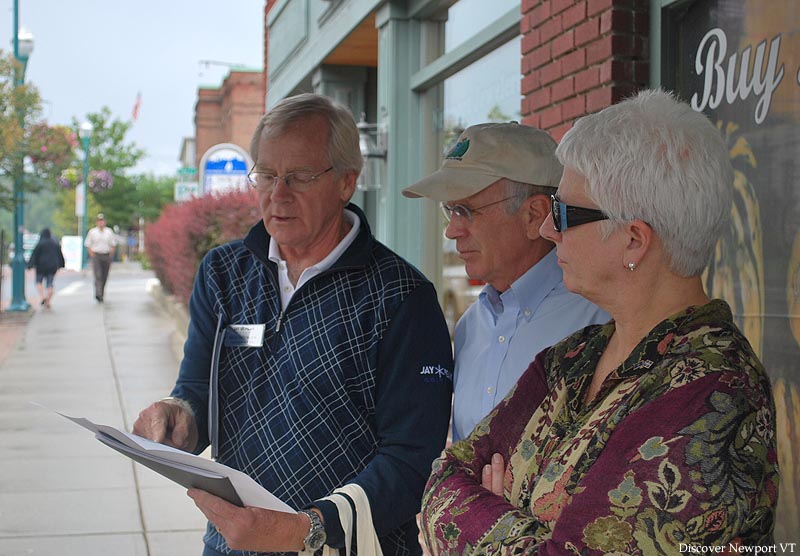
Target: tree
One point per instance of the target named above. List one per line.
(18, 105)
(153, 193)
(53, 163)
(65, 222)
(111, 190)
(107, 148)
(23, 137)
(46, 149)
(496, 114)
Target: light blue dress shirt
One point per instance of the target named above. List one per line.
(501, 333)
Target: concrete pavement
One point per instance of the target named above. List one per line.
(61, 491)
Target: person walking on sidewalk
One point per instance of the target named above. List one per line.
(100, 241)
(317, 360)
(46, 258)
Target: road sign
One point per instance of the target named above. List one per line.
(185, 190)
(224, 168)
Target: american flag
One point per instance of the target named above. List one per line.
(136, 106)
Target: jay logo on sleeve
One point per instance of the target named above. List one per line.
(435, 373)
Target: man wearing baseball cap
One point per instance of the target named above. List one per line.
(495, 186)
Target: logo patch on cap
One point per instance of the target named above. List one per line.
(459, 150)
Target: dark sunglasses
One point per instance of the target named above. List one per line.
(567, 216)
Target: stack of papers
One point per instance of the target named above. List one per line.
(186, 469)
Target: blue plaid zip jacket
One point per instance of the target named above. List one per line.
(352, 384)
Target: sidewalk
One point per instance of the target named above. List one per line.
(61, 491)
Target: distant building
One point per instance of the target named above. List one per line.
(229, 113)
(188, 154)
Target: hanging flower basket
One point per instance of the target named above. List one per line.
(69, 178)
(100, 180)
(51, 147)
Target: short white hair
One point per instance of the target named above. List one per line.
(653, 158)
(344, 153)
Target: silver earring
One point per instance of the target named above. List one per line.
(631, 266)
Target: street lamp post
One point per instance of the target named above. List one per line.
(23, 46)
(86, 134)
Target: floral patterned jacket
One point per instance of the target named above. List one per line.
(677, 448)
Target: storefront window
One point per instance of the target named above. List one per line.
(467, 17)
(484, 91)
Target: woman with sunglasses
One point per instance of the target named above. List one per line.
(654, 433)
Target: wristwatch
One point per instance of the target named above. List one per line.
(316, 534)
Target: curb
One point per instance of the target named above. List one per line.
(176, 311)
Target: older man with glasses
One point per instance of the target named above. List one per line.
(495, 186)
(317, 360)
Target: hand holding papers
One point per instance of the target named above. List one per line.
(186, 469)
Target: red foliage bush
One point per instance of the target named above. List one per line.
(185, 232)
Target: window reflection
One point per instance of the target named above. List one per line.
(487, 90)
(467, 17)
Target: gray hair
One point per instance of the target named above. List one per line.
(519, 191)
(344, 153)
(653, 158)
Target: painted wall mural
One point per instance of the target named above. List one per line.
(740, 64)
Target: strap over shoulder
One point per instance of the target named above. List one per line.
(367, 539)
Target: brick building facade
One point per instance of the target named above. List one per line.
(229, 114)
(580, 57)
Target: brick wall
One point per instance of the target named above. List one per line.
(242, 106)
(579, 56)
(208, 128)
(230, 113)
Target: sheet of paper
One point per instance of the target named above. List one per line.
(176, 464)
(185, 475)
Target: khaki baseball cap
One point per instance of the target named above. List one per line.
(486, 153)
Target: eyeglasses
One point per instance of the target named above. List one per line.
(296, 181)
(567, 216)
(465, 212)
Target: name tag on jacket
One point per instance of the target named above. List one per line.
(244, 335)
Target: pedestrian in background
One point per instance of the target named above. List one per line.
(46, 258)
(100, 241)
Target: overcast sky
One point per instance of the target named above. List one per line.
(94, 53)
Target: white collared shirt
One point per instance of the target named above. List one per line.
(100, 241)
(287, 289)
